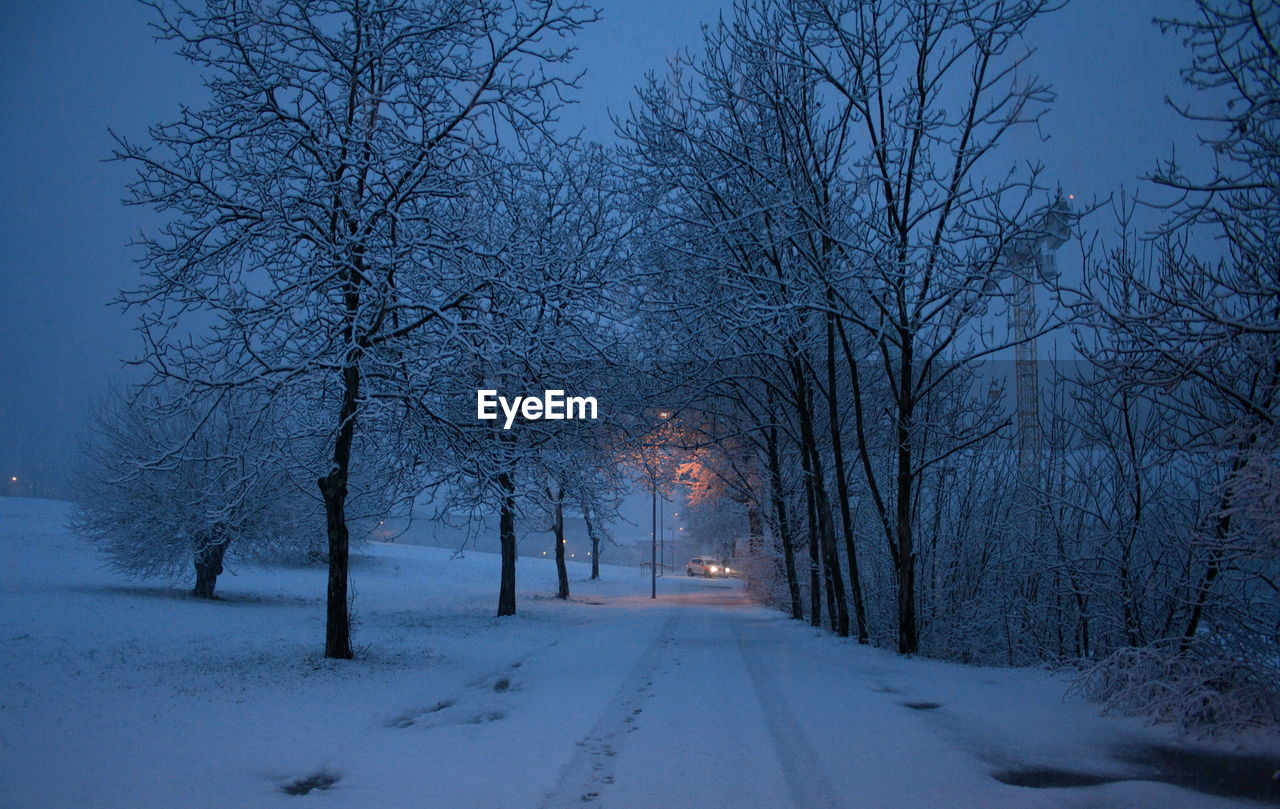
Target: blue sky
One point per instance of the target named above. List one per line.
(69, 69)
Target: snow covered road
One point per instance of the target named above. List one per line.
(732, 705)
(119, 695)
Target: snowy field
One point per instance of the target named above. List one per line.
(118, 694)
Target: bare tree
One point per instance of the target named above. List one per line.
(933, 88)
(830, 164)
(172, 484)
(1196, 330)
(314, 228)
(547, 321)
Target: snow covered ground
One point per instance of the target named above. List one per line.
(117, 694)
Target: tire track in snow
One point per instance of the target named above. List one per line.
(590, 770)
(807, 783)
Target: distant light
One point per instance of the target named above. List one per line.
(13, 478)
(1071, 196)
(572, 555)
(664, 414)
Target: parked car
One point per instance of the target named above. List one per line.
(706, 566)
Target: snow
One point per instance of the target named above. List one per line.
(117, 694)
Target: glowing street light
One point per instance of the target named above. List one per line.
(674, 533)
(664, 415)
(653, 543)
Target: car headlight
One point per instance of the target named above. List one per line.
(714, 568)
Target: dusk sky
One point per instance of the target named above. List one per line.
(71, 69)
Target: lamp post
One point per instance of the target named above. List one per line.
(662, 538)
(653, 542)
(675, 535)
(653, 533)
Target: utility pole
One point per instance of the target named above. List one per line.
(653, 533)
(653, 540)
(662, 538)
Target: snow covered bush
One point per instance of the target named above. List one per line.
(1199, 689)
(766, 581)
(171, 483)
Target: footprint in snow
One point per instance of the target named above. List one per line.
(922, 706)
(321, 780)
(410, 718)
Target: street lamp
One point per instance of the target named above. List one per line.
(653, 539)
(675, 537)
(662, 539)
(653, 533)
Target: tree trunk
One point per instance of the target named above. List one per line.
(755, 528)
(1211, 571)
(905, 576)
(879, 501)
(595, 543)
(842, 480)
(562, 572)
(834, 578)
(784, 526)
(507, 537)
(1222, 532)
(333, 490)
(821, 525)
(837, 606)
(208, 564)
(815, 572)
